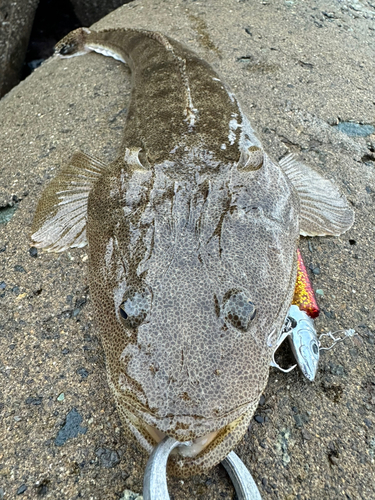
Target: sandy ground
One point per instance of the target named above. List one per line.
(298, 70)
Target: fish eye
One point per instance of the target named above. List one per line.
(251, 159)
(135, 307)
(293, 322)
(238, 309)
(315, 348)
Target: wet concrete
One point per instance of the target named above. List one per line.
(299, 70)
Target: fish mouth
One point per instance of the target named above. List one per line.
(205, 451)
(196, 446)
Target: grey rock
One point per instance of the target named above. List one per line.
(71, 428)
(90, 11)
(21, 490)
(108, 458)
(355, 129)
(16, 20)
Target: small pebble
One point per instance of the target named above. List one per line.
(21, 490)
(19, 269)
(61, 397)
(130, 495)
(305, 434)
(333, 460)
(259, 419)
(320, 292)
(298, 421)
(83, 372)
(108, 458)
(33, 251)
(34, 401)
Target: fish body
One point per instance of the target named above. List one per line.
(192, 235)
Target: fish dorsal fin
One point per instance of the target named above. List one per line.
(60, 218)
(324, 210)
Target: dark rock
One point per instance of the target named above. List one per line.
(53, 20)
(71, 428)
(34, 401)
(108, 458)
(33, 251)
(65, 351)
(298, 421)
(21, 490)
(16, 20)
(90, 11)
(6, 213)
(329, 314)
(76, 312)
(19, 269)
(2, 285)
(368, 422)
(262, 400)
(336, 369)
(83, 372)
(259, 419)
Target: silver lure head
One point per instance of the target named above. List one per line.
(304, 342)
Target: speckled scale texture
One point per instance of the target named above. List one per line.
(197, 233)
(192, 236)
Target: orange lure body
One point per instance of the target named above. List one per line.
(304, 296)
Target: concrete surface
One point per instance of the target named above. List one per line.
(298, 69)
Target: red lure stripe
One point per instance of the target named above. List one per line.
(304, 296)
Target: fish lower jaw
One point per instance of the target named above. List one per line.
(197, 445)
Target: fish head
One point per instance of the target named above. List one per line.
(304, 342)
(192, 270)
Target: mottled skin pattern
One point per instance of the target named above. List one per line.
(191, 228)
(198, 224)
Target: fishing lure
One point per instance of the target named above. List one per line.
(299, 325)
(304, 296)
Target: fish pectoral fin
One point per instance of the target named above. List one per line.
(60, 218)
(324, 210)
